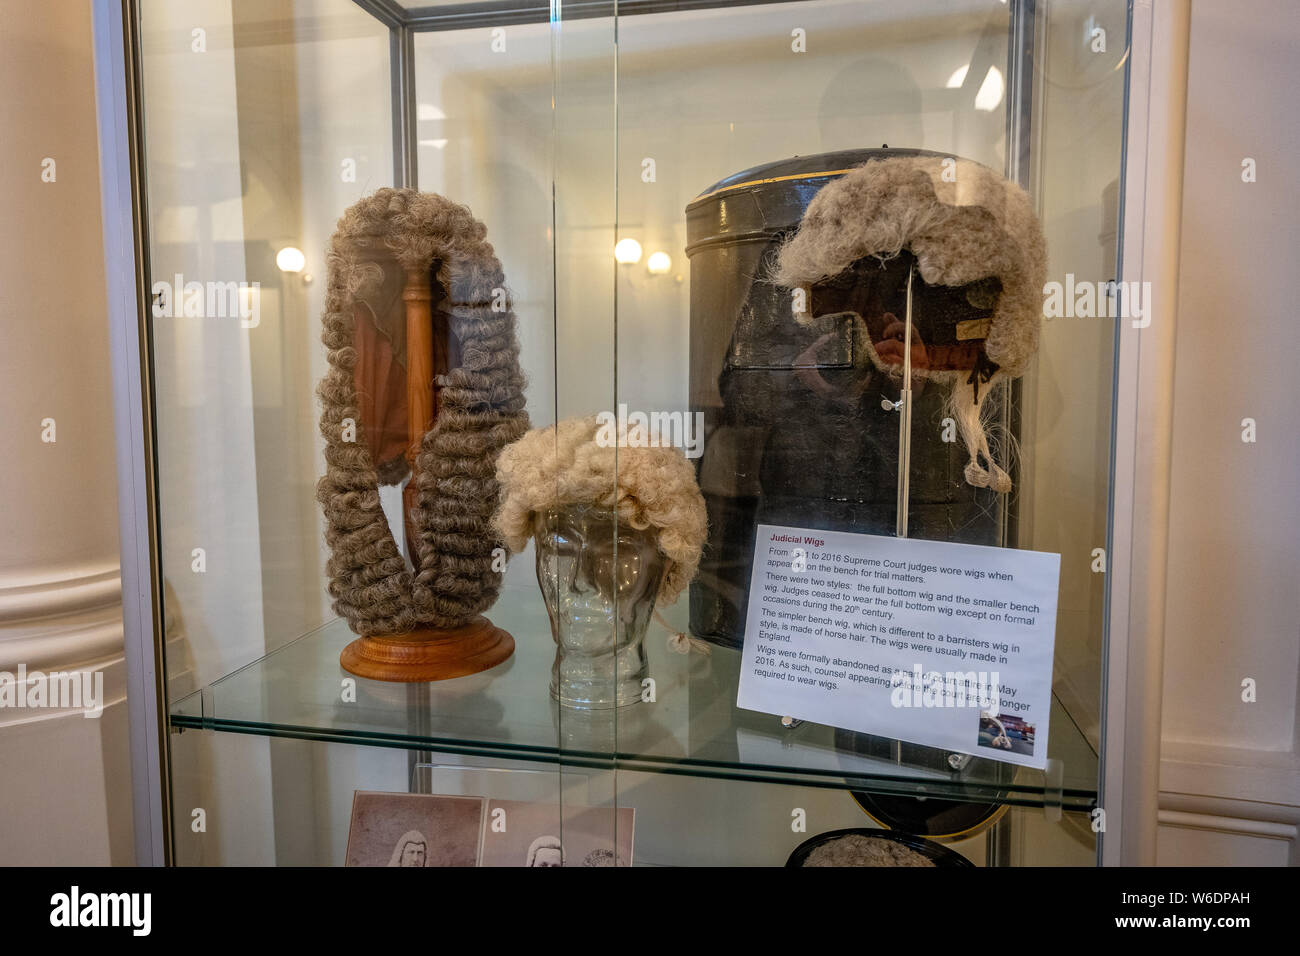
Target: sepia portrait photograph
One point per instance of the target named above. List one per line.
(520, 833)
(413, 829)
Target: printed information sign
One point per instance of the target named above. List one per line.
(944, 645)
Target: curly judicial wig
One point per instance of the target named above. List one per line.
(480, 411)
(963, 222)
(565, 464)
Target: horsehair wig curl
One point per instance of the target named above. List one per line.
(963, 222)
(480, 411)
(646, 487)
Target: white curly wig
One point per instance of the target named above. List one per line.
(963, 222)
(565, 465)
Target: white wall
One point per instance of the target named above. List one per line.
(1230, 770)
(60, 595)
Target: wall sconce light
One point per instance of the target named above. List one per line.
(659, 263)
(290, 259)
(627, 252)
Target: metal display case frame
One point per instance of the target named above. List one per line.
(1149, 210)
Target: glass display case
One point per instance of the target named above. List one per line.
(859, 264)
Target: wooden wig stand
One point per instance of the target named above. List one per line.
(425, 654)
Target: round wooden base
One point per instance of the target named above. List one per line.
(429, 654)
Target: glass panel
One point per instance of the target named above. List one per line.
(317, 833)
(580, 553)
(1067, 406)
(263, 121)
(729, 122)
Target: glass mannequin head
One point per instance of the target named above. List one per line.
(599, 578)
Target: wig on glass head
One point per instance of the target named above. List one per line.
(573, 463)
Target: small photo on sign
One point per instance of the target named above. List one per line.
(1007, 733)
(521, 833)
(414, 829)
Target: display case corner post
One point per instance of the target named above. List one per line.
(401, 67)
(117, 86)
(1150, 215)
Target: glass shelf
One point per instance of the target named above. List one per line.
(693, 727)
